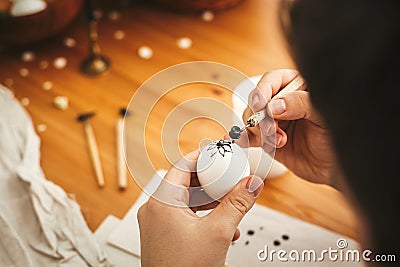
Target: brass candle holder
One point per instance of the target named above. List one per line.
(96, 63)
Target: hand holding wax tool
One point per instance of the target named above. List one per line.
(223, 163)
(295, 85)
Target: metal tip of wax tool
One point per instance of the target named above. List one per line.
(236, 131)
(252, 121)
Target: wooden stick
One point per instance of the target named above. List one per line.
(94, 153)
(122, 177)
(295, 85)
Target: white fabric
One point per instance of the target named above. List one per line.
(39, 224)
(127, 235)
(118, 257)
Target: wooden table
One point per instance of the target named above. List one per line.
(246, 37)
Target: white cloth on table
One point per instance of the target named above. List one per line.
(40, 225)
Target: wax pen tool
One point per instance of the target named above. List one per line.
(295, 85)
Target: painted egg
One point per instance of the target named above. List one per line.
(221, 165)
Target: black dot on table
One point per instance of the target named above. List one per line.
(261, 228)
(250, 232)
(247, 242)
(277, 243)
(285, 237)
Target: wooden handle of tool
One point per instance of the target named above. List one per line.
(94, 154)
(295, 85)
(122, 178)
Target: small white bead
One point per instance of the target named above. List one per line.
(114, 15)
(41, 128)
(24, 72)
(28, 56)
(69, 42)
(98, 14)
(43, 64)
(145, 52)
(9, 82)
(184, 42)
(119, 35)
(207, 16)
(60, 102)
(60, 63)
(25, 101)
(47, 85)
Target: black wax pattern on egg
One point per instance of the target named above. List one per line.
(221, 146)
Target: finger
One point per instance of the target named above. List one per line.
(279, 139)
(236, 235)
(249, 139)
(235, 205)
(268, 126)
(293, 106)
(269, 132)
(197, 197)
(194, 180)
(251, 136)
(173, 188)
(208, 206)
(180, 172)
(269, 85)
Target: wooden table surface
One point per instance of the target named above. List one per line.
(246, 37)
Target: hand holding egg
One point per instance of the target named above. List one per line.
(221, 165)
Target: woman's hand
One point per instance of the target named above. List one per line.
(173, 235)
(302, 142)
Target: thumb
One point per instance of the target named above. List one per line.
(236, 204)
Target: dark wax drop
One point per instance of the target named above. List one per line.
(234, 132)
(250, 232)
(277, 243)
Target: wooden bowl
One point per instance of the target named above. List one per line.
(32, 28)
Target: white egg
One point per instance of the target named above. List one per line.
(221, 165)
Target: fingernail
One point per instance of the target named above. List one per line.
(254, 100)
(255, 185)
(278, 139)
(271, 129)
(277, 106)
